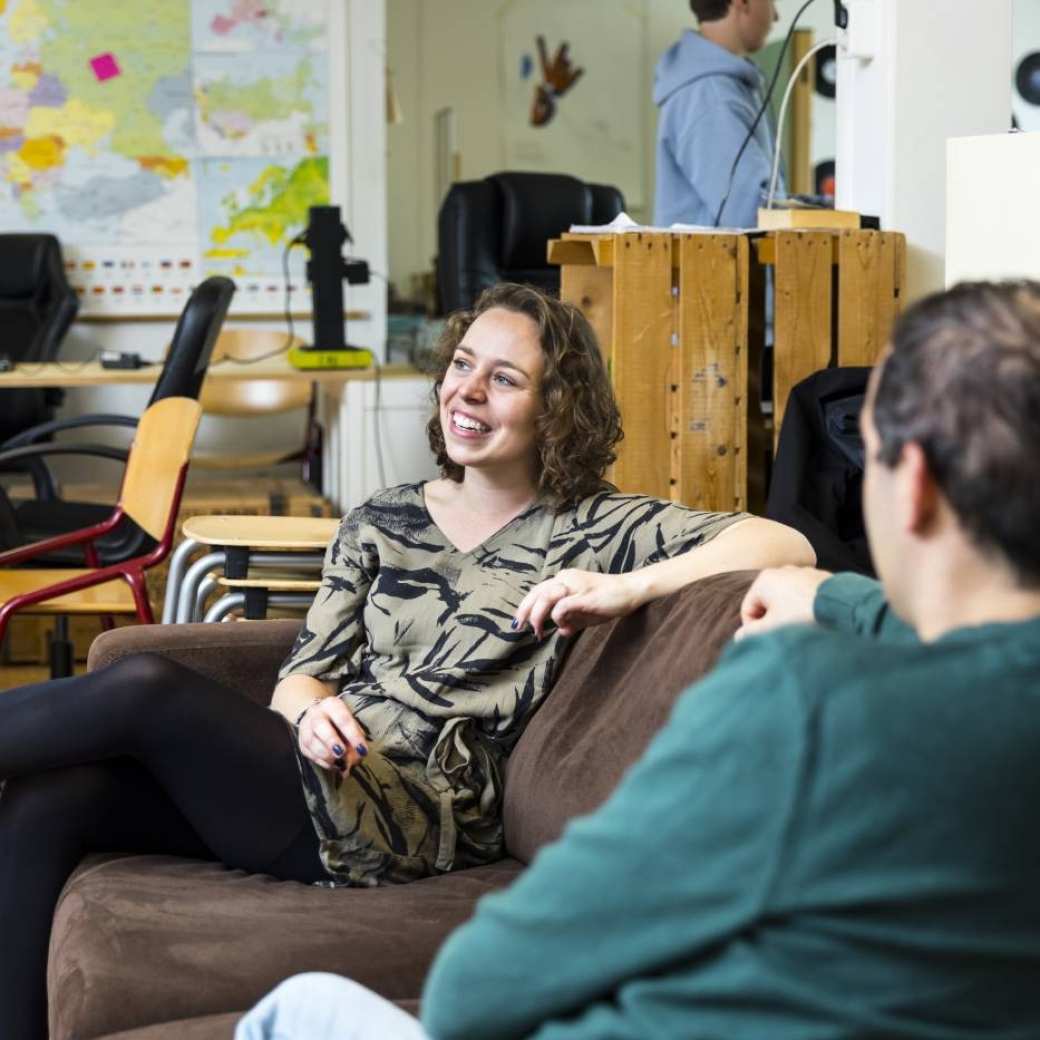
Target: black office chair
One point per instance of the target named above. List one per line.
(37, 306)
(496, 230)
(47, 515)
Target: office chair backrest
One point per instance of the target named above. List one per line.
(37, 304)
(161, 449)
(193, 340)
(496, 230)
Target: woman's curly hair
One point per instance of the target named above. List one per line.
(579, 424)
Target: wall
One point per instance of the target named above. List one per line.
(358, 153)
(446, 53)
(932, 78)
(992, 234)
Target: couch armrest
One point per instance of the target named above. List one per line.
(243, 655)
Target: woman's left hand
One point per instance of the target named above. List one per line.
(575, 599)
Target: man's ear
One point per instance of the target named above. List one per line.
(918, 489)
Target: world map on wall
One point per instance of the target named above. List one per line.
(163, 142)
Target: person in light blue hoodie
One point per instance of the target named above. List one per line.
(708, 93)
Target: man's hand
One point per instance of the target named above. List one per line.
(331, 737)
(575, 599)
(779, 596)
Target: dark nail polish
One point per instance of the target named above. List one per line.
(513, 623)
(361, 750)
(341, 764)
(338, 751)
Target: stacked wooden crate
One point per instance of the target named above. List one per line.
(681, 319)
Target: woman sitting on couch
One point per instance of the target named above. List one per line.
(444, 612)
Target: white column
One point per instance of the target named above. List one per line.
(357, 114)
(911, 74)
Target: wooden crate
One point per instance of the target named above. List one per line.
(681, 319)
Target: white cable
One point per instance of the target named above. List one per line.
(783, 115)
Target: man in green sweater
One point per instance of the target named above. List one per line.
(835, 834)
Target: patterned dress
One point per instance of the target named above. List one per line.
(417, 635)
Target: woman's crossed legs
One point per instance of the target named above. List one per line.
(143, 756)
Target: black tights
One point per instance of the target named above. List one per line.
(145, 757)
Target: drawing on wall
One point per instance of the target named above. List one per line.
(597, 132)
(558, 76)
(191, 141)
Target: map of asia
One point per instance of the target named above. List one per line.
(163, 142)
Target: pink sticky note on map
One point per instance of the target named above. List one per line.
(105, 66)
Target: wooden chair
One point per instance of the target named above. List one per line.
(242, 398)
(150, 495)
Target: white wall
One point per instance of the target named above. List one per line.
(447, 53)
(932, 78)
(992, 234)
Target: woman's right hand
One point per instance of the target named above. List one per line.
(331, 737)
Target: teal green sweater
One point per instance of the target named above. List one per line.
(834, 836)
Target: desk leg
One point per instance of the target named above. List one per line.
(334, 418)
(178, 565)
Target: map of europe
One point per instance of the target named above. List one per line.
(196, 128)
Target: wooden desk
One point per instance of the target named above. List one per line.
(340, 443)
(254, 552)
(265, 533)
(90, 373)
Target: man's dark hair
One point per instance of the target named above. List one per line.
(963, 382)
(710, 10)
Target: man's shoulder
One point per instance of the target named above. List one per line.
(811, 660)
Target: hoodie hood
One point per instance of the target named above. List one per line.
(692, 58)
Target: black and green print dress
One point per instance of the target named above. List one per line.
(417, 635)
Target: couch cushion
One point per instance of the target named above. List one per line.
(243, 655)
(614, 692)
(208, 1027)
(177, 938)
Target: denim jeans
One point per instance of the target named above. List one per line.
(320, 1006)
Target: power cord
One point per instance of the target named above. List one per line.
(761, 111)
(290, 336)
(783, 115)
(33, 368)
(376, 409)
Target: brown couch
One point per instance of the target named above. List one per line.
(160, 948)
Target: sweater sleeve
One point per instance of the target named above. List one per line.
(856, 604)
(681, 857)
(705, 148)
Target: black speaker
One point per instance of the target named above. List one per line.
(325, 237)
(826, 82)
(1027, 78)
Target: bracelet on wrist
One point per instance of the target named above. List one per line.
(299, 718)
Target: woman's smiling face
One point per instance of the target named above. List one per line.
(490, 396)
